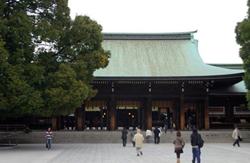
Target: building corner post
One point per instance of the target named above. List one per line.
(182, 112)
(207, 126)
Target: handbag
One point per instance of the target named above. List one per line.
(239, 138)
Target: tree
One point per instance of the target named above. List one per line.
(47, 60)
(242, 31)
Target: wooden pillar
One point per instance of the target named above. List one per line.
(83, 116)
(108, 114)
(59, 122)
(112, 115)
(199, 117)
(149, 113)
(182, 112)
(62, 122)
(79, 119)
(206, 110)
(229, 110)
(54, 123)
(176, 117)
(139, 118)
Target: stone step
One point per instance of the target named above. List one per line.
(220, 136)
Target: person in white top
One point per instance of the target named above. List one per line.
(160, 129)
(236, 136)
(148, 135)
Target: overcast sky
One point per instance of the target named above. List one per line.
(215, 21)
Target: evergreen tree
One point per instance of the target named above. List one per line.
(47, 60)
(243, 39)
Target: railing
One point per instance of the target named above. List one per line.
(243, 125)
(12, 127)
(7, 137)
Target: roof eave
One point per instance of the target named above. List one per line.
(181, 78)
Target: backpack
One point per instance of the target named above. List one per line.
(200, 141)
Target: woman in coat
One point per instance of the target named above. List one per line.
(138, 139)
(178, 145)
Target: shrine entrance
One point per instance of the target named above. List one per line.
(190, 116)
(161, 110)
(128, 114)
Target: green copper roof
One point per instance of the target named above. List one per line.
(229, 66)
(152, 55)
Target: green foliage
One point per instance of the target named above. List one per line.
(47, 60)
(242, 31)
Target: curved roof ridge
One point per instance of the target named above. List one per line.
(150, 34)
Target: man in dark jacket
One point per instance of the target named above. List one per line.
(156, 133)
(195, 137)
(124, 136)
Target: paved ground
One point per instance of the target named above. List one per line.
(115, 153)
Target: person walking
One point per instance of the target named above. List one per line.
(160, 133)
(236, 136)
(178, 145)
(48, 136)
(165, 124)
(132, 134)
(156, 135)
(124, 136)
(138, 139)
(27, 129)
(195, 141)
(148, 135)
(190, 121)
(171, 124)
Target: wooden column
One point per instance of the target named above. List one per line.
(149, 113)
(54, 123)
(206, 110)
(139, 118)
(62, 122)
(83, 116)
(59, 122)
(182, 112)
(229, 110)
(112, 115)
(199, 118)
(176, 117)
(79, 119)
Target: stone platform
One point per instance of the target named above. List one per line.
(69, 137)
